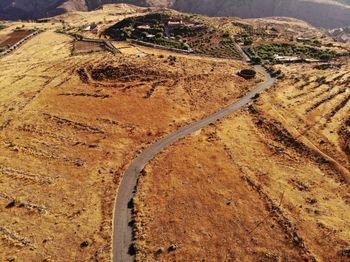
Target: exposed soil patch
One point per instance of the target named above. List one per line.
(83, 47)
(14, 37)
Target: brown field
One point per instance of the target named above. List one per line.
(81, 47)
(269, 183)
(70, 125)
(14, 37)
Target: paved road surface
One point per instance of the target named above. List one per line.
(122, 232)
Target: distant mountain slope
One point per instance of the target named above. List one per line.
(317, 12)
(33, 9)
(323, 13)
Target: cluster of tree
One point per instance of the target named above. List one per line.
(267, 51)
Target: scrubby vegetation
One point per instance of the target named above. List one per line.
(176, 32)
(267, 51)
(310, 42)
(169, 43)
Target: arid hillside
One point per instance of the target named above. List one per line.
(73, 115)
(268, 183)
(34, 9)
(82, 94)
(318, 13)
(271, 181)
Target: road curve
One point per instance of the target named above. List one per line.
(122, 231)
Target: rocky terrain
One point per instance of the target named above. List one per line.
(324, 13)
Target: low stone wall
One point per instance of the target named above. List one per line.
(92, 40)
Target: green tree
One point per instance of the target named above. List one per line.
(248, 40)
(325, 56)
(256, 60)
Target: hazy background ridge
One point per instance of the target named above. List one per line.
(322, 13)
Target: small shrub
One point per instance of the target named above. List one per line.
(325, 57)
(256, 96)
(248, 41)
(256, 60)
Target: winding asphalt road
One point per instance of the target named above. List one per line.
(122, 229)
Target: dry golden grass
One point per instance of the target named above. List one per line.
(66, 139)
(195, 197)
(319, 100)
(269, 183)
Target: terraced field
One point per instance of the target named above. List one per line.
(320, 100)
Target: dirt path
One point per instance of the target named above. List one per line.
(122, 226)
